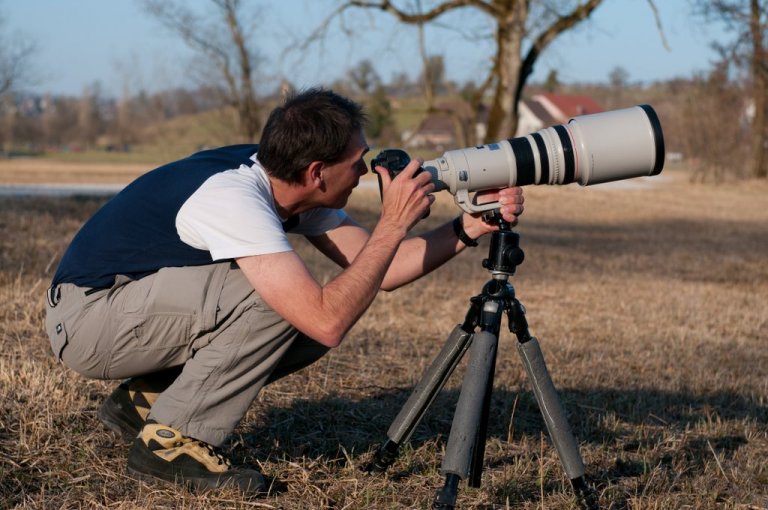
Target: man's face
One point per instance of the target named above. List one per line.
(342, 177)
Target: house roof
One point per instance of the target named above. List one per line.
(572, 106)
(541, 113)
(436, 123)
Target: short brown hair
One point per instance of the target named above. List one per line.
(314, 125)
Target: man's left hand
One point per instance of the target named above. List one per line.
(510, 206)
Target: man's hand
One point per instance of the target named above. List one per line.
(511, 207)
(406, 197)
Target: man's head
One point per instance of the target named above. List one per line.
(314, 125)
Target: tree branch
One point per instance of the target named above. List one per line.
(406, 17)
(559, 26)
(656, 16)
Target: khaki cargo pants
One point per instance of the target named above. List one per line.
(206, 318)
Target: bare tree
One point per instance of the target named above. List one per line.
(713, 133)
(523, 29)
(433, 73)
(426, 76)
(90, 123)
(381, 122)
(15, 53)
(749, 21)
(552, 83)
(223, 43)
(364, 77)
(125, 123)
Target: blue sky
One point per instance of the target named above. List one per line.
(115, 43)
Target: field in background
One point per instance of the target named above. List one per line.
(42, 171)
(650, 302)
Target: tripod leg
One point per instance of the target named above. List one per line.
(550, 406)
(467, 418)
(553, 413)
(422, 397)
(478, 452)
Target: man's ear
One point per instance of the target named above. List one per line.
(314, 175)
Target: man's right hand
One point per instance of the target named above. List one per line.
(407, 197)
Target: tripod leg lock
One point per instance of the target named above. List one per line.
(518, 324)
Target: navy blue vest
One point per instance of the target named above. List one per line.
(135, 233)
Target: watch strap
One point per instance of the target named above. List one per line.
(458, 228)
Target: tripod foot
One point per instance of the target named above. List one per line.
(585, 494)
(383, 458)
(445, 499)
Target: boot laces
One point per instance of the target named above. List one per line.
(214, 452)
(209, 449)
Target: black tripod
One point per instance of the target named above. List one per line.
(466, 442)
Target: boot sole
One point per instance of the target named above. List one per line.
(193, 484)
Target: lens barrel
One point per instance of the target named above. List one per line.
(589, 149)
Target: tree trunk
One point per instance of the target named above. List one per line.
(760, 95)
(510, 31)
(248, 105)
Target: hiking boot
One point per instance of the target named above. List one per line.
(126, 409)
(161, 452)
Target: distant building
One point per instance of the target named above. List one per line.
(544, 110)
(441, 130)
(438, 131)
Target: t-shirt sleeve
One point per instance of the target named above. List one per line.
(232, 215)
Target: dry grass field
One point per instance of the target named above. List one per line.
(650, 302)
(35, 171)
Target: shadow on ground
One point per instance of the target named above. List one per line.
(324, 427)
(629, 424)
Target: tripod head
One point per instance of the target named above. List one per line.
(504, 253)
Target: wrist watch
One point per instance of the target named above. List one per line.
(458, 228)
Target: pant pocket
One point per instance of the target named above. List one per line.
(147, 343)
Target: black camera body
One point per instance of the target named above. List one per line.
(395, 161)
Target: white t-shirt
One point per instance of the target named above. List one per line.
(233, 215)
